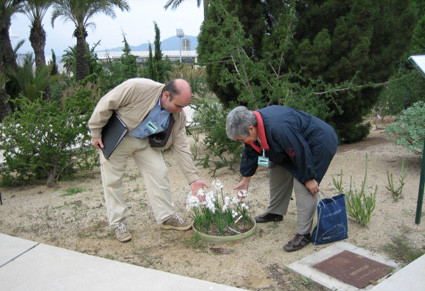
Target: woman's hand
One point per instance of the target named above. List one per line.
(243, 185)
(312, 186)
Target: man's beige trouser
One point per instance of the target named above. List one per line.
(281, 184)
(154, 171)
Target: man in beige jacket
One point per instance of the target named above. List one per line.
(149, 109)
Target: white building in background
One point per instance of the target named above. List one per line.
(189, 57)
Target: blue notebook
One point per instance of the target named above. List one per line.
(112, 134)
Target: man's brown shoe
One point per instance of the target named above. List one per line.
(176, 222)
(122, 233)
(297, 243)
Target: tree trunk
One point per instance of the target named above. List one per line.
(38, 42)
(5, 108)
(205, 9)
(51, 178)
(7, 60)
(81, 65)
(7, 57)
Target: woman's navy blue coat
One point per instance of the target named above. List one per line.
(301, 143)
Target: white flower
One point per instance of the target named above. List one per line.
(192, 201)
(242, 193)
(244, 206)
(217, 185)
(201, 193)
(210, 196)
(234, 213)
(209, 199)
(226, 203)
(235, 201)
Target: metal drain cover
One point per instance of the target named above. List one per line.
(353, 269)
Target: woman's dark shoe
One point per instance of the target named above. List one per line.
(297, 243)
(267, 217)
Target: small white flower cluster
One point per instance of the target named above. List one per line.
(217, 185)
(208, 199)
(242, 194)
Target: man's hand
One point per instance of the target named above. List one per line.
(196, 186)
(312, 186)
(97, 143)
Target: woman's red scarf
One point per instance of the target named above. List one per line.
(261, 134)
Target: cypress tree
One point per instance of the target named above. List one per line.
(128, 62)
(326, 57)
(158, 62)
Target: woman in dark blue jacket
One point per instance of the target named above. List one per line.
(297, 147)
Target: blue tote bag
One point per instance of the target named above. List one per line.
(331, 220)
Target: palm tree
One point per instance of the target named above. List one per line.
(68, 59)
(80, 12)
(36, 10)
(7, 55)
(176, 3)
(29, 83)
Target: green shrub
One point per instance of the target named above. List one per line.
(404, 89)
(220, 150)
(47, 140)
(409, 128)
(195, 75)
(359, 205)
(396, 191)
(402, 249)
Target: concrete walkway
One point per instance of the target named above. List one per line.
(27, 265)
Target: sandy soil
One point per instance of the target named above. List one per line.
(78, 222)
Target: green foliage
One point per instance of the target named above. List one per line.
(63, 87)
(47, 140)
(418, 37)
(409, 128)
(53, 65)
(195, 75)
(402, 249)
(254, 81)
(156, 67)
(404, 89)
(150, 67)
(128, 63)
(72, 191)
(79, 13)
(30, 83)
(359, 205)
(274, 52)
(69, 58)
(220, 150)
(115, 72)
(396, 191)
(338, 183)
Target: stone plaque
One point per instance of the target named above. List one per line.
(353, 269)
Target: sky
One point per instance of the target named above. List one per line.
(137, 24)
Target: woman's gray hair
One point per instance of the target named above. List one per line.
(238, 121)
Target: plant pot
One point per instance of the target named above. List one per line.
(228, 238)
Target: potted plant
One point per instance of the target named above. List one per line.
(220, 218)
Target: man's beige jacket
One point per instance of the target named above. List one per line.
(132, 100)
